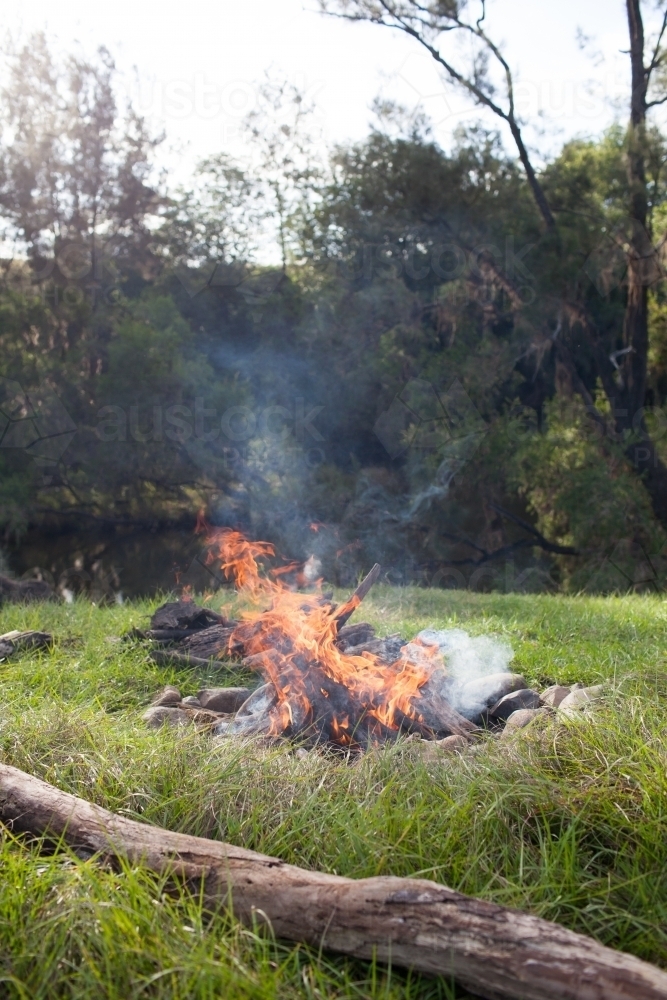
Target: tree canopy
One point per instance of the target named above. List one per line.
(457, 366)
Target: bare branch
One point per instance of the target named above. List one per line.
(656, 58)
(424, 25)
(544, 543)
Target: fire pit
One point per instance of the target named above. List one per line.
(329, 683)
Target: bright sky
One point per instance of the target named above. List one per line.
(199, 61)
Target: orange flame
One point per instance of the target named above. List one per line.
(293, 644)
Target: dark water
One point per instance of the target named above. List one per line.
(114, 564)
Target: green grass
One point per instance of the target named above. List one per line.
(568, 821)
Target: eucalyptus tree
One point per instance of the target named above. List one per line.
(76, 171)
(565, 322)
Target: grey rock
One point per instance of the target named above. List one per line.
(476, 696)
(579, 698)
(252, 718)
(552, 696)
(525, 698)
(453, 744)
(162, 715)
(7, 649)
(261, 701)
(167, 697)
(191, 702)
(522, 718)
(223, 699)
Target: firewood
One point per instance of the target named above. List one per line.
(185, 614)
(387, 650)
(491, 950)
(212, 643)
(170, 658)
(169, 634)
(353, 635)
(438, 716)
(347, 610)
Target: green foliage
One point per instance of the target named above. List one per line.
(400, 263)
(584, 494)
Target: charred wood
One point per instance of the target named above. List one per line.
(185, 615)
(346, 610)
(353, 635)
(387, 650)
(212, 643)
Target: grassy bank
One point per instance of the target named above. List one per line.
(568, 821)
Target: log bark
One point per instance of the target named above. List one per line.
(493, 951)
(25, 591)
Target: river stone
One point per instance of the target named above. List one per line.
(168, 697)
(453, 744)
(553, 696)
(161, 715)
(525, 698)
(223, 699)
(522, 718)
(579, 698)
(6, 649)
(473, 698)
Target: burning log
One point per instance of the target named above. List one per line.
(329, 682)
(387, 650)
(354, 635)
(492, 951)
(346, 610)
(213, 643)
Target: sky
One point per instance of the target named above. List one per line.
(193, 67)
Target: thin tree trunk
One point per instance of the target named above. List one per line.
(493, 951)
(629, 401)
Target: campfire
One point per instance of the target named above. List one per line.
(325, 681)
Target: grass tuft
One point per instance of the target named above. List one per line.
(566, 820)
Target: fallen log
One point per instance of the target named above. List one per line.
(493, 951)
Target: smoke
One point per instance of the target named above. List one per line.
(477, 668)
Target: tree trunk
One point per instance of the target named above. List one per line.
(493, 951)
(641, 272)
